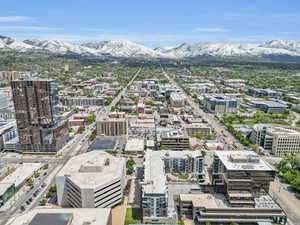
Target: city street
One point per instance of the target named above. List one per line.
(74, 147)
(220, 130)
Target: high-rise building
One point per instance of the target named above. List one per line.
(94, 179)
(40, 128)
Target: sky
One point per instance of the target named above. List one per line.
(152, 22)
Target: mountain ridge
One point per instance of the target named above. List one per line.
(127, 49)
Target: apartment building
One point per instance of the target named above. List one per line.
(82, 101)
(154, 188)
(183, 162)
(177, 99)
(91, 180)
(220, 104)
(39, 123)
(278, 140)
(112, 125)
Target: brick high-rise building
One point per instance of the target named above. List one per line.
(37, 114)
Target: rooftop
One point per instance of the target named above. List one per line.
(243, 160)
(63, 216)
(22, 172)
(154, 177)
(92, 169)
(218, 201)
(270, 104)
(135, 144)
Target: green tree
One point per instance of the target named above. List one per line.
(46, 166)
(43, 202)
(90, 119)
(164, 147)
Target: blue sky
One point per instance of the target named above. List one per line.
(152, 22)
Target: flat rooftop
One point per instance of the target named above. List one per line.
(154, 175)
(197, 125)
(243, 160)
(63, 216)
(218, 201)
(135, 145)
(92, 169)
(271, 104)
(22, 172)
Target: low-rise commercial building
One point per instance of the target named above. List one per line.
(259, 92)
(215, 209)
(174, 139)
(278, 140)
(51, 216)
(269, 106)
(82, 101)
(91, 180)
(220, 104)
(15, 180)
(197, 128)
(135, 146)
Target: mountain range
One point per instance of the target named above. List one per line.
(129, 49)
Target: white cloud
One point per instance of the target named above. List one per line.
(29, 28)
(14, 18)
(209, 29)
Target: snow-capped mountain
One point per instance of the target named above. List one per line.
(283, 44)
(12, 44)
(129, 49)
(122, 48)
(61, 47)
(223, 50)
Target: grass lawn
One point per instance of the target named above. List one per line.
(249, 122)
(133, 216)
(183, 176)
